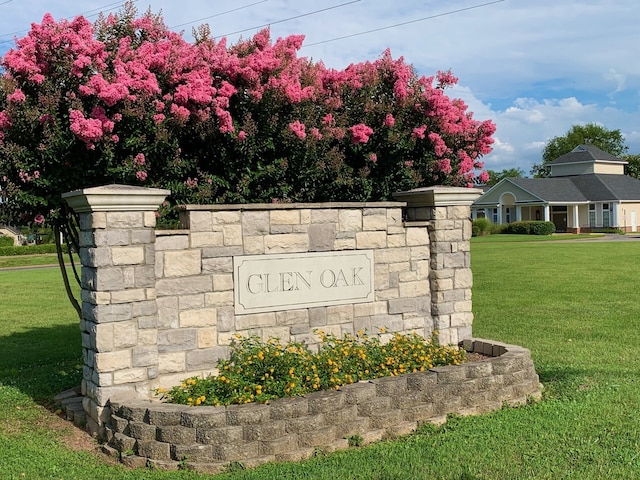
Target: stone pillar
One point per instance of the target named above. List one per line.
(119, 313)
(445, 212)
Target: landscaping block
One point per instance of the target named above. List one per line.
(154, 450)
(176, 435)
(194, 453)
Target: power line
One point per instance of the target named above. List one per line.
(218, 14)
(290, 18)
(99, 10)
(430, 17)
(8, 1)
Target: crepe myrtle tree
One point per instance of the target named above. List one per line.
(126, 100)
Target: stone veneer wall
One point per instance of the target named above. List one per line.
(208, 439)
(159, 306)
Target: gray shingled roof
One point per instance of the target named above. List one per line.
(594, 187)
(585, 153)
(601, 187)
(558, 189)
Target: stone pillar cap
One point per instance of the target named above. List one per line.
(439, 196)
(116, 198)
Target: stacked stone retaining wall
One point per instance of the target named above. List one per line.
(209, 439)
(158, 307)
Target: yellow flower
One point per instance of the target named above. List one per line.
(383, 330)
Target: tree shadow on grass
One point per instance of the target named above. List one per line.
(42, 362)
(564, 382)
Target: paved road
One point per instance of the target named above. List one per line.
(607, 237)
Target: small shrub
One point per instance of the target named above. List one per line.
(29, 250)
(542, 228)
(496, 228)
(517, 228)
(483, 226)
(259, 371)
(530, 227)
(6, 241)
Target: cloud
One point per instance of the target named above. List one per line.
(534, 68)
(617, 78)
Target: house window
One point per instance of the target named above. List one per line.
(508, 216)
(592, 215)
(494, 216)
(606, 215)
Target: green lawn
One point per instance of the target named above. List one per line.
(30, 260)
(574, 305)
(512, 238)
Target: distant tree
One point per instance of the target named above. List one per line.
(633, 169)
(496, 176)
(610, 141)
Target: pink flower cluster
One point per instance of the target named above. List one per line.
(360, 133)
(89, 130)
(298, 129)
(120, 91)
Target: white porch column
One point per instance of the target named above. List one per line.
(547, 213)
(576, 219)
(518, 213)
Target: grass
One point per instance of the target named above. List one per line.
(512, 238)
(574, 305)
(46, 259)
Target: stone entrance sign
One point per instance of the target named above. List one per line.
(300, 280)
(161, 306)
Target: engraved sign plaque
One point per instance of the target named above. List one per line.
(265, 283)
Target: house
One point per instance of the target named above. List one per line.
(586, 190)
(12, 233)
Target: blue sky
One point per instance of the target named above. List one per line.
(535, 67)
